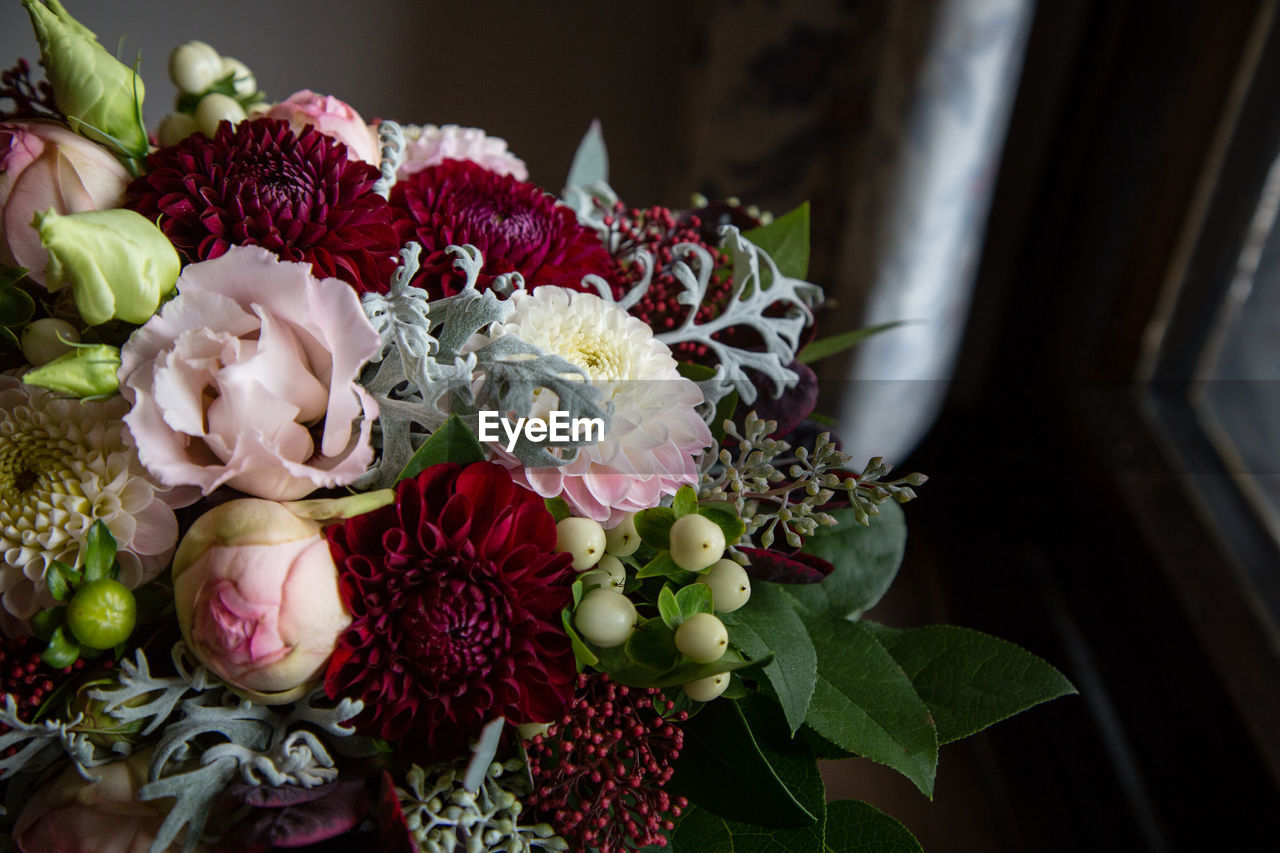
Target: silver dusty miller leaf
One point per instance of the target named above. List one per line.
(427, 369)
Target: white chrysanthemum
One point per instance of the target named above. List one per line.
(65, 464)
(656, 436)
(429, 145)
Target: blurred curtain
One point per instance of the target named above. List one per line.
(889, 116)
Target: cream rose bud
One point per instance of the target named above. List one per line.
(257, 598)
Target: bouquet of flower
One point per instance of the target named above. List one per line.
(353, 487)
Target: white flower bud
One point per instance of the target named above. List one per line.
(244, 83)
(730, 585)
(706, 689)
(696, 542)
(702, 638)
(195, 66)
(622, 539)
(605, 617)
(583, 538)
(175, 127)
(42, 340)
(215, 108)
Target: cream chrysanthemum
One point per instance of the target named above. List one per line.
(656, 436)
(65, 464)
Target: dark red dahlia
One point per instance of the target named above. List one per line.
(259, 184)
(516, 225)
(456, 596)
(598, 772)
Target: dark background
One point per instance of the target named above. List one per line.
(1072, 506)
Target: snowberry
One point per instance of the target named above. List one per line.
(610, 574)
(583, 538)
(605, 617)
(730, 586)
(622, 539)
(696, 542)
(706, 689)
(702, 638)
(195, 66)
(45, 339)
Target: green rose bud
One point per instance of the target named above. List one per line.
(117, 262)
(101, 97)
(102, 614)
(89, 370)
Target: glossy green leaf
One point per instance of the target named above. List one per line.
(62, 650)
(452, 442)
(856, 827)
(970, 680)
(866, 560)
(581, 651)
(44, 622)
(786, 239)
(99, 552)
(723, 768)
(661, 566)
(624, 670)
(654, 526)
(668, 609)
(863, 702)
(768, 622)
(60, 578)
(694, 599)
(558, 508)
(684, 502)
(653, 645)
(16, 306)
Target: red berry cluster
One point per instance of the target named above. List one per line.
(29, 679)
(658, 231)
(598, 772)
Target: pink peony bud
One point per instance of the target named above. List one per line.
(331, 117)
(257, 598)
(44, 166)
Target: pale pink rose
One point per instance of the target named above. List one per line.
(248, 379)
(70, 815)
(331, 117)
(430, 145)
(257, 598)
(44, 165)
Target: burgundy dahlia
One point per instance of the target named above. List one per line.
(515, 225)
(259, 184)
(456, 594)
(598, 772)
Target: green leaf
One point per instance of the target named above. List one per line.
(856, 827)
(684, 502)
(581, 651)
(825, 347)
(654, 526)
(661, 566)
(60, 578)
(726, 518)
(864, 702)
(786, 239)
(723, 768)
(694, 599)
(558, 508)
(62, 650)
(668, 609)
(452, 442)
(866, 560)
(970, 680)
(653, 646)
(624, 670)
(16, 306)
(591, 160)
(44, 622)
(768, 622)
(99, 552)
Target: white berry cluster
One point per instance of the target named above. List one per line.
(211, 88)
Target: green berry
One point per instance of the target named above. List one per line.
(730, 585)
(702, 638)
(583, 538)
(622, 539)
(102, 614)
(706, 689)
(696, 542)
(605, 617)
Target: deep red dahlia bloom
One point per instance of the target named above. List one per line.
(259, 184)
(456, 596)
(516, 225)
